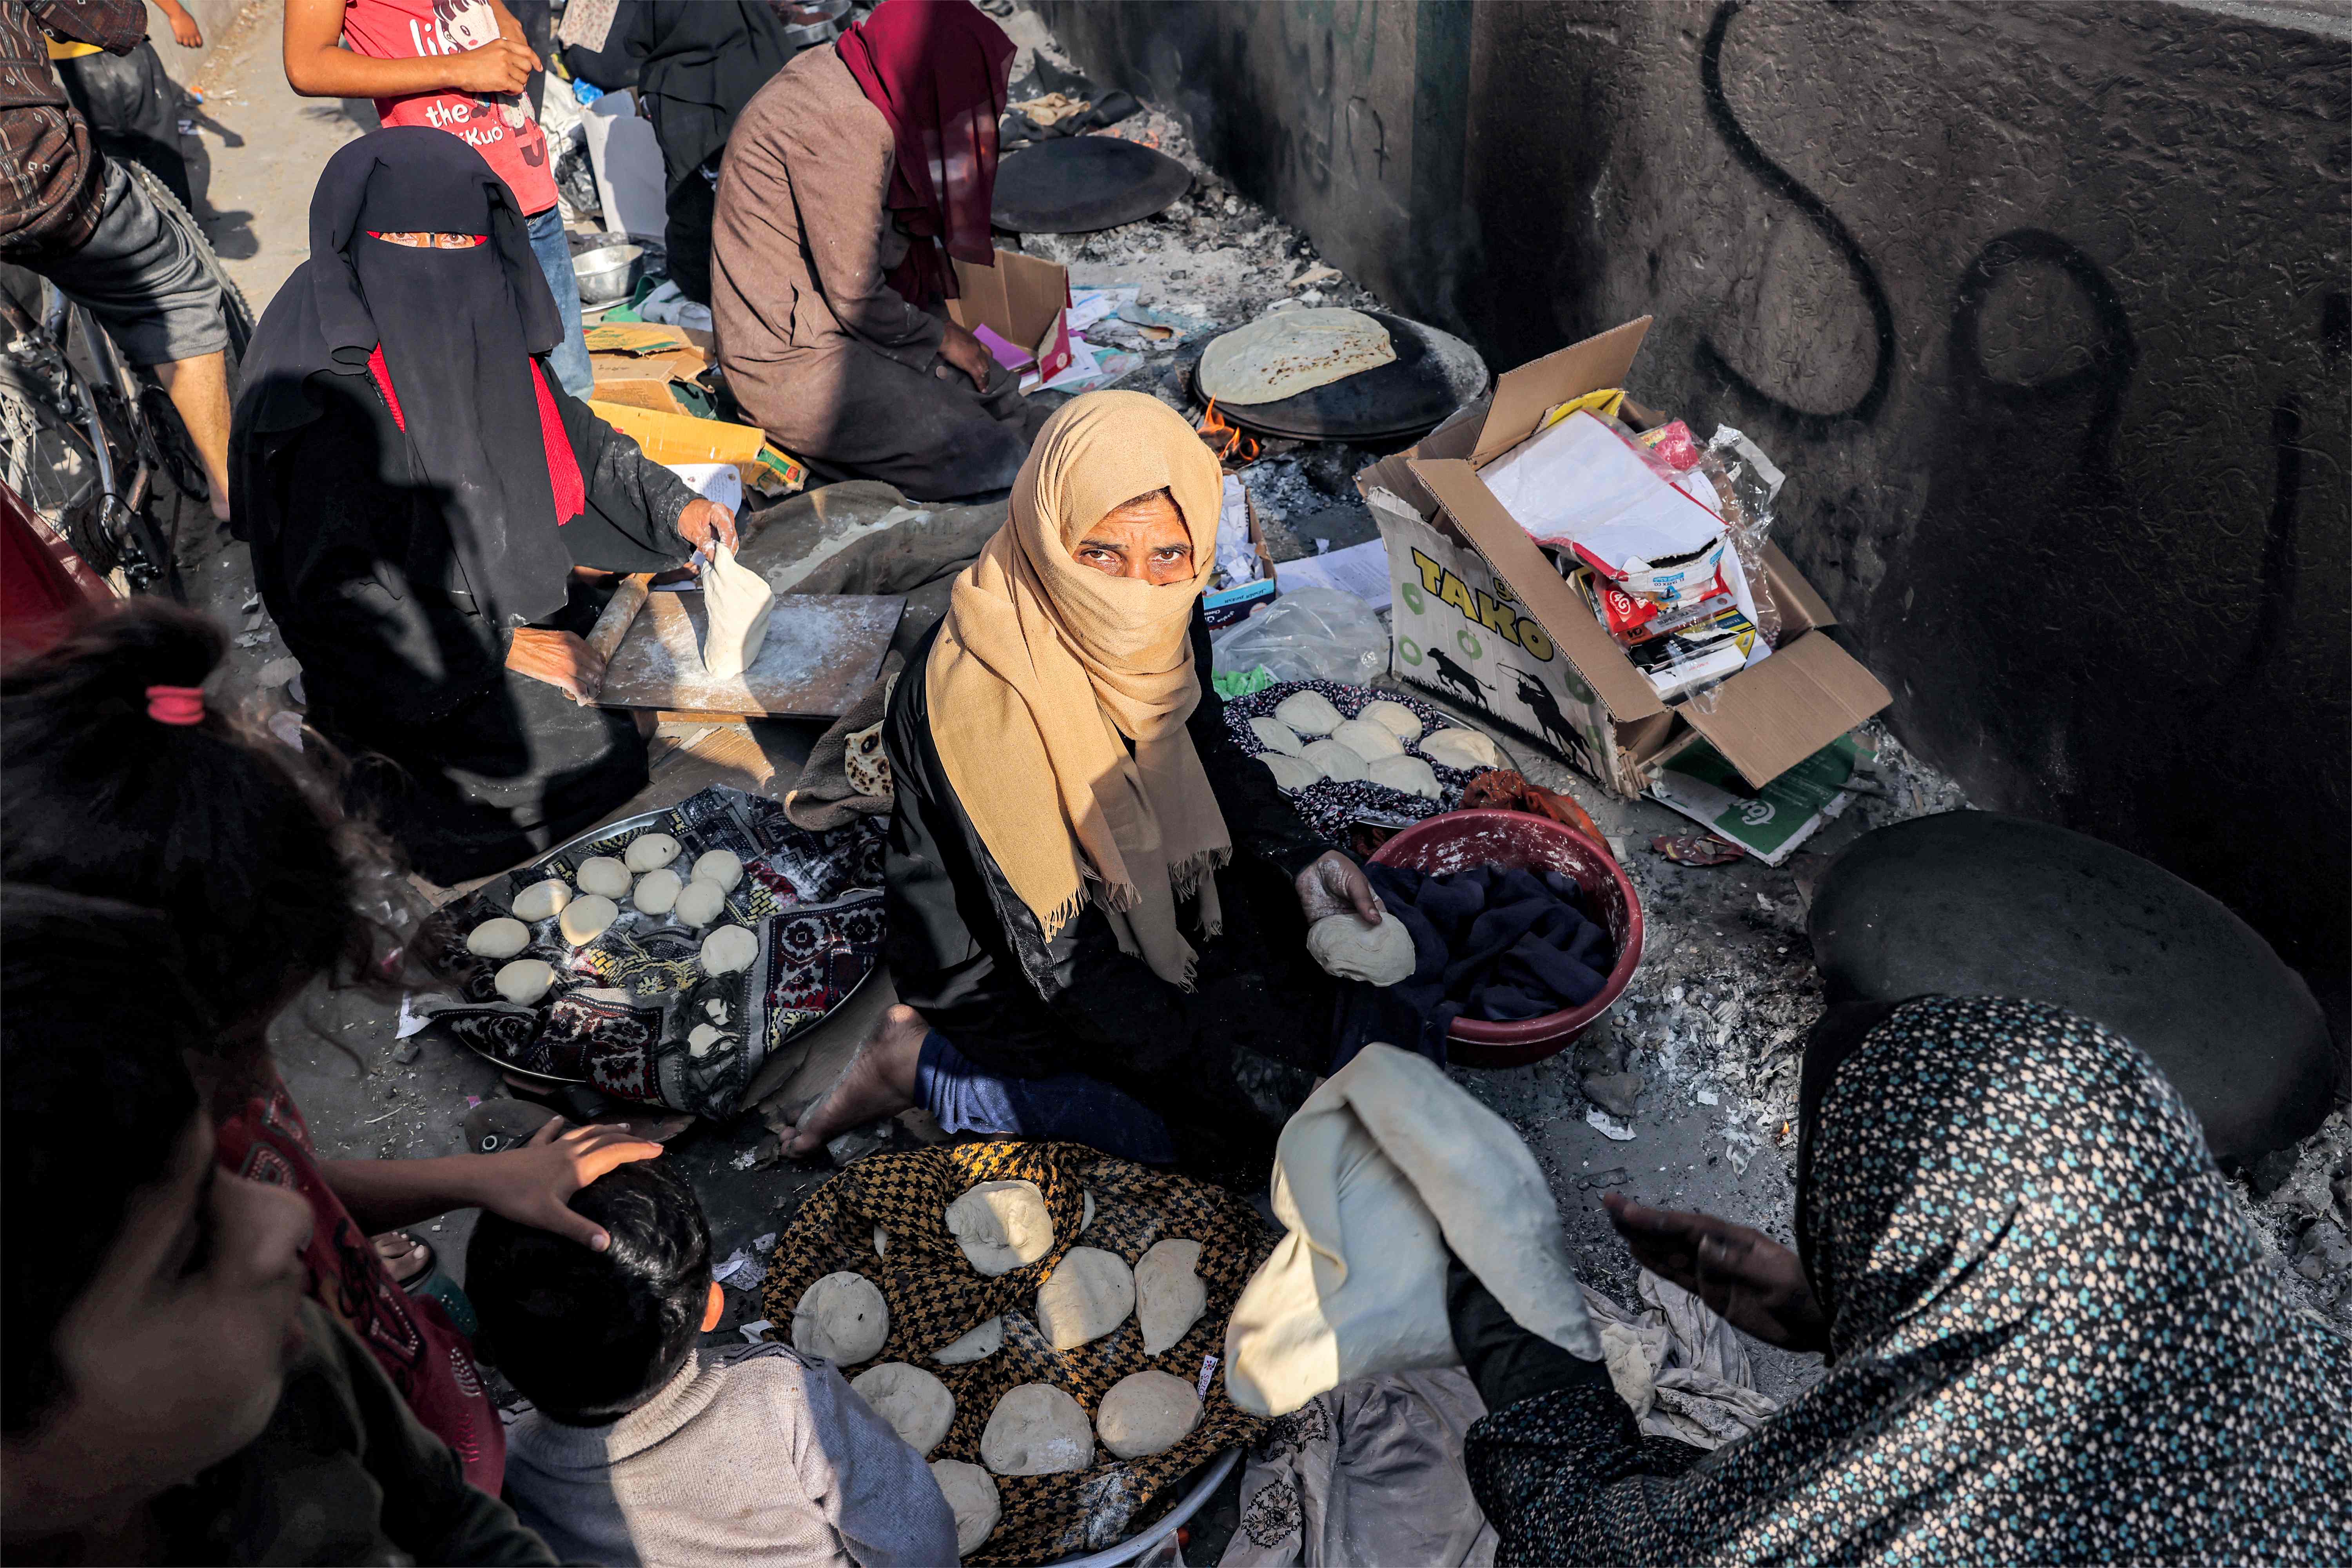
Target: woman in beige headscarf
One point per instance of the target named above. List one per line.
(1094, 893)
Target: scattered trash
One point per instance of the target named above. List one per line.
(286, 727)
(1697, 849)
(278, 672)
(743, 1269)
(1600, 1121)
(1313, 634)
(755, 1332)
(253, 639)
(1770, 822)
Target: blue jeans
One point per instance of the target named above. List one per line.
(554, 252)
(1069, 1108)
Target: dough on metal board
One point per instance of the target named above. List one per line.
(656, 891)
(1089, 1293)
(542, 901)
(974, 1345)
(1147, 1412)
(1465, 749)
(1310, 713)
(584, 920)
(1367, 739)
(1395, 718)
(699, 902)
(1276, 736)
(729, 949)
(603, 875)
(842, 1318)
(723, 867)
(526, 980)
(737, 603)
(649, 852)
(970, 1492)
(1290, 774)
(501, 938)
(918, 1405)
(1408, 775)
(1169, 1295)
(1336, 761)
(1037, 1430)
(1286, 352)
(1345, 946)
(1001, 1225)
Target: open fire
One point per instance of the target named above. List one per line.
(1225, 440)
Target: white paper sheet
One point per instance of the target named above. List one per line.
(1359, 569)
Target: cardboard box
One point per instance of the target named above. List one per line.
(1224, 607)
(1483, 618)
(1022, 300)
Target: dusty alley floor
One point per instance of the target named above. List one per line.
(1700, 1057)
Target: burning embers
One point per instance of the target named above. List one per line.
(1231, 446)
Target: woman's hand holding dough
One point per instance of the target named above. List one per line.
(968, 354)
(1335, 884)
(561, 659)
(702, 522)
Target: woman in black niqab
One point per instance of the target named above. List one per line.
(419, 494)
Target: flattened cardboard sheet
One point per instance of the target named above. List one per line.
(1775, 714)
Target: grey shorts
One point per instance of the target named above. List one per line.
(142, 279)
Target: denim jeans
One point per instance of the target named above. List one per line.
(1067, 1107)
(554, 252)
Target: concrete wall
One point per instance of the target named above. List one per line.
(2044, 307)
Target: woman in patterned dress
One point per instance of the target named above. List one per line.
(2052, 1335)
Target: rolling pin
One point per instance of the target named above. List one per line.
(620, 609)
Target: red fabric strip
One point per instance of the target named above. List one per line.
(563, 467)
(382, 373)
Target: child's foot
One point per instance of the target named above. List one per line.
(881, 1082)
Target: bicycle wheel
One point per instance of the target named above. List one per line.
(233, 308)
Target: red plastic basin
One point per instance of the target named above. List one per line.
(1458, 840)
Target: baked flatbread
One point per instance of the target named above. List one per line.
(1291, 352)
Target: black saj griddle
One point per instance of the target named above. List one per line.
(1433, 373)
(1077, 184)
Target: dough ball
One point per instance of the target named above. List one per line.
(976, 1344)
(699, 902)
(723, 867)
(499, 938)
(1336, 761)
(701, 1038)
(585, 919)
(1344, 946)
(1368, 740)
(1148, 1413)
(842, 1318)
(542, 901)
(1465, 749)
(604, 876)
(971, 1491)
(1408, 775)
(651, 851)
(1001, 1225)
(1276, 736)
(1290, 774)
(1309, 712)
(1169, 1296)
(658, 892)
(526, 980)
(1395, 718)
(1037, 1430)
(917, 1405)
(1086, 1220)
(1089, 1293)
(729, 949)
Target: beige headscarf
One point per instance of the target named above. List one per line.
(1043, 663)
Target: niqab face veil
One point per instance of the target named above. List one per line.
(457, 330)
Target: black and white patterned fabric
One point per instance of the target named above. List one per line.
(2055, 1340)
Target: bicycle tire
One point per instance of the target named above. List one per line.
(236, 312)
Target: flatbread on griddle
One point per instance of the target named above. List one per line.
(1289, 351)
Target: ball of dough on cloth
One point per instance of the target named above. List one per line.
(1336, 761)
(1309, 712)
(1368, 740)
(1001, 1225)
(526, 980)
(499, 938)
(729, 949)
(842, 1318)
(1276, 736)
(1463, 749)
(699, 902)
(1147, 1412)
(585, 919)
(1168, 1294)
(656, 891)
(542, 901)
(650, 851)
(1089, 1293)
(603, 875)
(1037, 1430)
(1407, 775)
(723, 867)
(1345, 946)
(1395, 718)
(970, 1492)
(918, 1405)
(1290, 774)
(977, 1344)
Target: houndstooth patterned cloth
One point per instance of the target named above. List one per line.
(935, 1296)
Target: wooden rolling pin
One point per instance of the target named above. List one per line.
(620, 609)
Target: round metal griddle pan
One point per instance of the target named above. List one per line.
(1433, 373)
(1077, 184)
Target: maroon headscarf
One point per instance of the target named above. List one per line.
(935, 69)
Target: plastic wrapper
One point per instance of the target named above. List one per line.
(1746, 482)
(1311, 634)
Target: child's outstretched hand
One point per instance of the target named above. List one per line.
(533, 1185)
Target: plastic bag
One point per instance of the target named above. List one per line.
(1748, 483)
(1311, 634)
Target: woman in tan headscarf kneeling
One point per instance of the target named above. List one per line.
(1094, 894)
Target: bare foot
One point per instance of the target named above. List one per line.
(880, 1081)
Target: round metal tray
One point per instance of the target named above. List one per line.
(1434, 374)
(1213, 1476)
(1077, 184)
